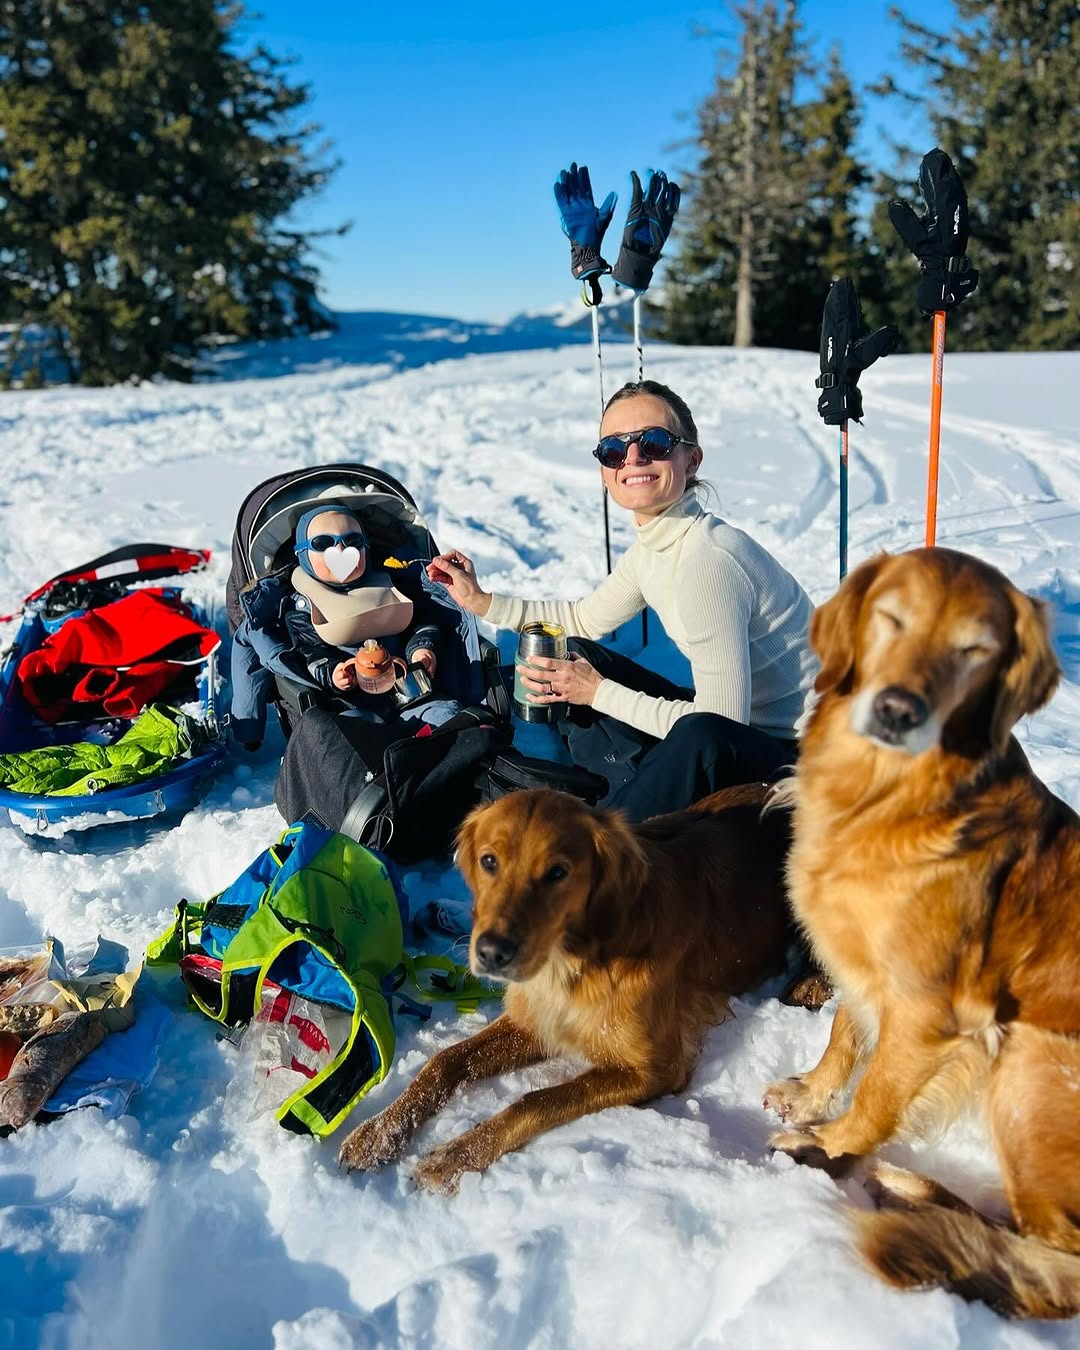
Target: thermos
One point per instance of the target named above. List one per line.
(537, 639)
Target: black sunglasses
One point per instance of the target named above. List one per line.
(653, 443)
(319, 543)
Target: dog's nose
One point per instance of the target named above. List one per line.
(899, 710)
(493, 952)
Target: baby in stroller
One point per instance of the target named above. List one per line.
(338, 604)
(315, 576)
(309, 625)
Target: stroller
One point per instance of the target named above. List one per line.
(108, 695)
(388, 785)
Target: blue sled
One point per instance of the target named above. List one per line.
(170, 794)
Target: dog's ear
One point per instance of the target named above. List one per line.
(465, 845)
(620, 871)
(834, 624)
(1032, 673)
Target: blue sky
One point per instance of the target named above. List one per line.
(453, 120)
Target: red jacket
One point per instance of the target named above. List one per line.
(118, 657)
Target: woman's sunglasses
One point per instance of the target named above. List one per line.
(653, 443)
(319, 543)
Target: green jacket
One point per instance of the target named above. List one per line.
(157, 737)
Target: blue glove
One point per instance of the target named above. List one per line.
(648, 225)
(582, 223)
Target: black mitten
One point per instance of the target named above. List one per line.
(938, 239)
(844, 355)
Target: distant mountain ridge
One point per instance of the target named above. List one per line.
(381, 338)
(404, 341)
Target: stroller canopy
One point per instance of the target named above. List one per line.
(266, 523)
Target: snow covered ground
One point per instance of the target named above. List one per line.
(666, 1226)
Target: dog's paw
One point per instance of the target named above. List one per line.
(441, 1170)
(793, 1102)
(806, 1148)
(810, 991)
(372, 1145)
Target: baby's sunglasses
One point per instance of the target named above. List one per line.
(653, 443)
(319, 543)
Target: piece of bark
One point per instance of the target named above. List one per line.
(26, 1019)
(44, 1062)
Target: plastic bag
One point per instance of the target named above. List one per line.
(289, 1041)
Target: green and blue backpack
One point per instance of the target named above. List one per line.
(321, 916)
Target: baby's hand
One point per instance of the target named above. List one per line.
(344, 676)
(426, 657)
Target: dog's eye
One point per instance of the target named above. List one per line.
(489, 862)
(556, 873)
(895, 623)
(974, 651)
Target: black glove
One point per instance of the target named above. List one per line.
(938, 239)
(845, 355)
(648, 224)
(582, 223)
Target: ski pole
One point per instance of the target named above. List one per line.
(946, 278)
(637, 339)
(935, 427)
(600, 372)
(843, 497)
(641, 376)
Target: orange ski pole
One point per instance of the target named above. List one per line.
(935, 427)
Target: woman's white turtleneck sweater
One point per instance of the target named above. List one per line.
(738, 617)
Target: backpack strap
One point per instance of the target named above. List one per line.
(447, 982)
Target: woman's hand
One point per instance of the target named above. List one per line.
(457, 573)
(571, 681)
(344, 676)
(425, 657)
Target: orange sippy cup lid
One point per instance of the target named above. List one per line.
(372, 658)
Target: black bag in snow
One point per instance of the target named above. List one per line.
(512, 771)
(383, 784)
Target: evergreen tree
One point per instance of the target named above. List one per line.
(1001, 98)
(145, 168)
(744, 189)
(769, 218)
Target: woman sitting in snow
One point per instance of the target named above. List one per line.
(739, 618)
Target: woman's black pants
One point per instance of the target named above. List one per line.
(702, 752)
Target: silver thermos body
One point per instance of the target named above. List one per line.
(537, 639)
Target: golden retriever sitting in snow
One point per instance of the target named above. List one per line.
(939, 883)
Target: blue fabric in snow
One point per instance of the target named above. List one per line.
(124, 1062)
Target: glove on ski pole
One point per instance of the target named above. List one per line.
(845, 355)
(938, 239)
(582, 223)
(648, 224)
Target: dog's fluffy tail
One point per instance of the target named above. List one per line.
(934, 1239)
